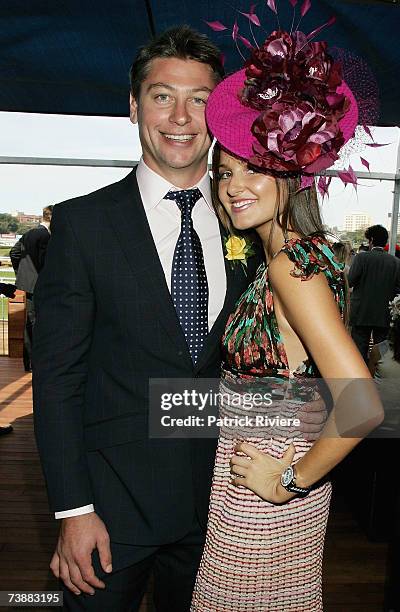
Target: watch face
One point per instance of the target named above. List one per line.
(287, 476)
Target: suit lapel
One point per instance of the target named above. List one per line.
(236, 283)
(129, 221)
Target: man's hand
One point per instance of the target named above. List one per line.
(72, 562)
(312, 419)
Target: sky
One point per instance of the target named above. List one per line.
(29, 188)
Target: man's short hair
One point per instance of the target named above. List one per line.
(181, 42)
(378, 234)
(47, 212)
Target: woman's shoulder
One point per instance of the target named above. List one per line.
(310, 255)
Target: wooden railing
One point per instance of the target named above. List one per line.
(12, 323)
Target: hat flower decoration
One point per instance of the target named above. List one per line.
(288, 111)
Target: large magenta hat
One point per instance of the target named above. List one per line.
(288, 111)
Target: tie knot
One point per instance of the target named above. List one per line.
(185, 198)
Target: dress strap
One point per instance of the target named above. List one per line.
(287, 240)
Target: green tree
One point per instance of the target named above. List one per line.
(356, 238)
(7, 221)
(11, 225)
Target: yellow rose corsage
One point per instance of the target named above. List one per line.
(238, 249)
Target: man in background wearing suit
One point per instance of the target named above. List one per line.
(115, 309)
(34, 243)
(375, 278)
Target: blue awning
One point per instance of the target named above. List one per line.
(73, 56)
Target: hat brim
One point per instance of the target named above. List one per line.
(230, 121)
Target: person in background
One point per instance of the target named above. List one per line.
(375, 279)
(384, 365)
(396, 251)
(382, 355)
(33, 243)
(343, 254)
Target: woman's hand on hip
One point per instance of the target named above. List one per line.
(261, 473)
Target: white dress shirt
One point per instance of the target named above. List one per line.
(164, 219)
(46, 224)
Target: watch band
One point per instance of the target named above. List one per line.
(288, 481)
(299, 490)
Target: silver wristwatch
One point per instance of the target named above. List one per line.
(288, 482)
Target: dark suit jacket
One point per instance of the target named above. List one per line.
(105, 325)
(375, 278)
(35, 242)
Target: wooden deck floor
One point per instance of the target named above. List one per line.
(354, 569)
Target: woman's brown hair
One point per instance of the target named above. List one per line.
(300, 209)
(295, 211)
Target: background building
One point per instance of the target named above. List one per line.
(357, 220)
(26, 218)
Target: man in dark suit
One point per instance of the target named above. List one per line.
(106, 324)
(375, 278)
(33, 243)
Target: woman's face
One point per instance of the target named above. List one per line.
(248, 197)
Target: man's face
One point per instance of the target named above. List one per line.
(170, 116)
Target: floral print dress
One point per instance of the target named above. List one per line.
(260, 556)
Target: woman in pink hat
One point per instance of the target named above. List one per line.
(277, 122)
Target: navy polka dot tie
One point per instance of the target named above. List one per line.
(189, 287)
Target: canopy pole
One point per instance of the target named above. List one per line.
(150, 18)
(127, 163)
